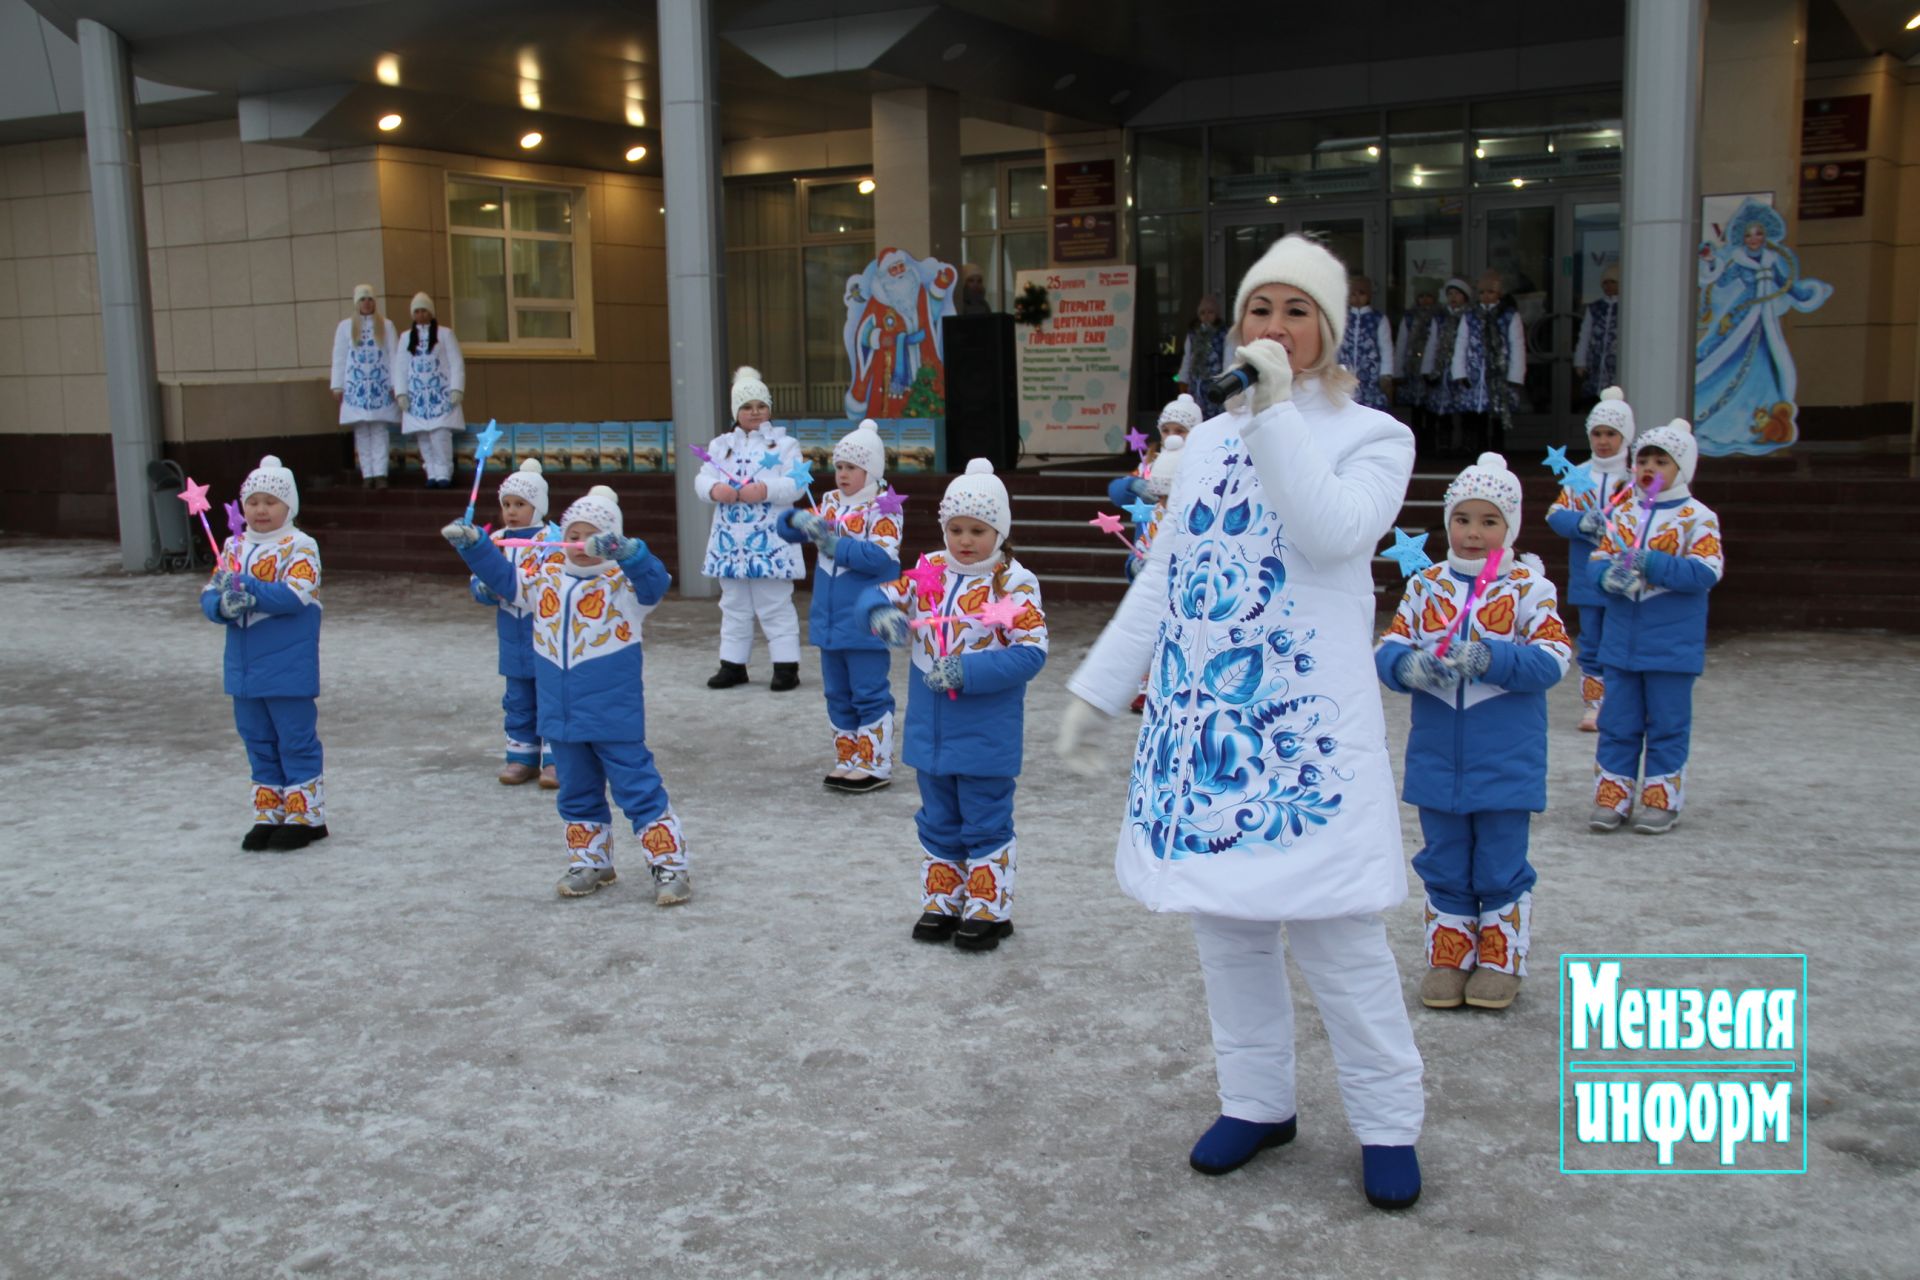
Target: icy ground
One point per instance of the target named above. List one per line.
(401, 1055)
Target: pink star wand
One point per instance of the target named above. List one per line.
(927, 578)
(540, 542)
(1478, 589)
(1107, 522)
(195, 496)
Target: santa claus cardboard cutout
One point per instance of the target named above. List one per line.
(894, 312)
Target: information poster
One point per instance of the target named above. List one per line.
(1085, 237)
(1428, 264)
(1836, 189)
(1830, 125)
(1074, 367)
(1083, 184)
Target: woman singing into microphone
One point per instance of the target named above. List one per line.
(1261, 793)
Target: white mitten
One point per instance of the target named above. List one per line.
(1270, 360)
(1073, 746)
(404, 400)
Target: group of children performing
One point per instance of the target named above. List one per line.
(1260, 791)
(569, 612)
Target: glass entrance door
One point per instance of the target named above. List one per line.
(1542, 245)
(1351, 232)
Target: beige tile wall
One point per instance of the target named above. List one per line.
(1860, 347)
(627, 377)
(252, 251)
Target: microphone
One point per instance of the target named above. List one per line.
(1232, 382)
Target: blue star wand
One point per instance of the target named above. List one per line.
(1409, 552)
(484, 443)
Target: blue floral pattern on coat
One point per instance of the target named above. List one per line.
(369, 383)
(1237, 750)
(427, 386)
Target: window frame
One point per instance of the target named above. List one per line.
(580, 239)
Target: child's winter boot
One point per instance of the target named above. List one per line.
(729, 675)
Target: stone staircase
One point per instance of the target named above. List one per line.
(1811, 543)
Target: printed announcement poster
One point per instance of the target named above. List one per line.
(1075, 364)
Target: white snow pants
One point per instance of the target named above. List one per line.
(370, 448)
(436, 452)
(771, 601)
(1351, 971)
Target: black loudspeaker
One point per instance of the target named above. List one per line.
(983, 414)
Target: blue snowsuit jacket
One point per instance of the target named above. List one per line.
(1486, 757)
(589, 678)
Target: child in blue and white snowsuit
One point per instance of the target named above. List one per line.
(1366, 349)
(859, 547)
(586, 608)
(270, 609)
(523, 514)
(1579, 517)
(1477, 755)
(966, 706)
(1135, 489)
(749, 479)
(1656, 575)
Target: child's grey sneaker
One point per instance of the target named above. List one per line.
(1653, 822)
(583, 878)
(670, 887)
(1604, 818)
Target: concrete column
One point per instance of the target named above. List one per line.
(696, 284)
(1660, 206)
(916, 172)
(126, 296)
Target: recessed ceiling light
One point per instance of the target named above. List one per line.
(389, 122)
(530, 94)
(530, 140)
(1479, 153)
(1913, 22)
(636, 154)
(1273, 199)
(1374, 152)
(387, 70)
(636, 113)
(1419, 180)
(1519, 182)
(866, 186)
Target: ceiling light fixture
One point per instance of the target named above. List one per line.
(389, 122)
(866, 186)
(1518, 183)
(1479, 153)
(1419, 179)
(1273, 199)
(1374, 152)
(636, 114)
(530, 94)
(530, 140)
(1913, 22)
(387, 70)
(636, 154)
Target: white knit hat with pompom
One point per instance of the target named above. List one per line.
(528, 484)
(1489, 480)
(600, 508)
(1165, 464)
(1676, 439)
(1612, 411)
(275, 481)
(1183, 409)
(748, 386)
(979, 494)
(863, 448)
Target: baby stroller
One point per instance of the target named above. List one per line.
(179, 549)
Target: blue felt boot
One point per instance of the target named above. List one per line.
(1391, 1176)
(1230, 1143)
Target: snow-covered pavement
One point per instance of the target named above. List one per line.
(401, 1054)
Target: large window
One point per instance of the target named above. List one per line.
(1003, 221)
(791, 244)
(518, 254)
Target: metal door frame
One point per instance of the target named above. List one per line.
(1555, 426)
(1371, 214)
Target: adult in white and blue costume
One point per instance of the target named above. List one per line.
(1261, 790)
(1742, 368)
(430, 381)
(362, 383)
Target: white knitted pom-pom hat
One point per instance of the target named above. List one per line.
(275, 481)
(1613, 411)
(1489, 480)
(748, 386)
(863, 448)
(600, 508)
(530, 484)
(980, 494)
(1676, 439)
